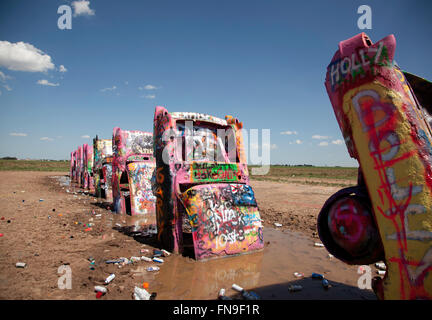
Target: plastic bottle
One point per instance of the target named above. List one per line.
(222, 295)
(158, 260)
(248, 295)
(146, 259)
(141, 294)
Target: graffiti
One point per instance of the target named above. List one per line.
(198, 117)
(142, 200)
(223, 218)
(132, 166)
(210, 172)
(388, 135)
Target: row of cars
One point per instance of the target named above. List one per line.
(189, 178)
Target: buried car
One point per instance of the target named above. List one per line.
(102, 169)
(388, 215)
(204, 200)
(133, 165)
(88, 167)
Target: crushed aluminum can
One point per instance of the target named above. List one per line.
(298, 274)
(317, 276)
(20, 264)
(317, 244)
(277, 224)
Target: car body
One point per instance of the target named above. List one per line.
(132, 166)
(88, 168)
(388, 215)
(102, 168)
(73, 166)
(204, 199)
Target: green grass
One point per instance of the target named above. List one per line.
(34, 165)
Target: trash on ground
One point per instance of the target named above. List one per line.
(325, 284)
(381, 265)
(278, 224)
(248, 295)
(294, 288)
(165, 253)
(153, 268)
(222, 296)
(158, 260)
(110, 278)
(317, 244)
(298, 274)
(100, 289)
(20, 264)
(146, 259)
(317, 276)
(141, 294)
(381, 272)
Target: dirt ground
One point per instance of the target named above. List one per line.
(45, 224)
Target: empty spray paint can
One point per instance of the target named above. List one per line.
(158, 260)
(110, 278)
(146, 259)
(100, 289)
(325, 284)
(317, 276)
(222, 295)
(248, 295)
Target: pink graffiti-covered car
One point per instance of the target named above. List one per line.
(204, 200)
(102, 168)
(132, 166)
(87, 179)
(383, 115)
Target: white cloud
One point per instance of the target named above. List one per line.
(338, 141)
(109, 89)
(323, 144)
(150, 96)
(289, 132)
(85, 136)
(317, 136)
(273, 146)
(7, 87)
(44, 82)
(23, 56)
(46, 139)
(148, 87)
(298, 141)
(62, 68)
(18, 134)
(82, 8)
(4, 77)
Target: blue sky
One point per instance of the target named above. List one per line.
(261, 61)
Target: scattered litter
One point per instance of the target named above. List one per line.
(100, 289)
(135, 259)
(99, 295)
(114, 261)
(317, 276)
(248, 295)
(294, 288)
(158, 260)
(298, 275)
(146, 259)
(317, 244)
(1, 235)
(165, 253)
(141, 294)
(88, 229)
(110, 278)
(222, 295)
(381, 265)
(98, 215)
(325, 284)
(118, 224)
(153, 268)
(40, 200)
(157, 253)
(330, 256)
(144, 250)
(20, 264)
(278, 224)
(381, 272)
